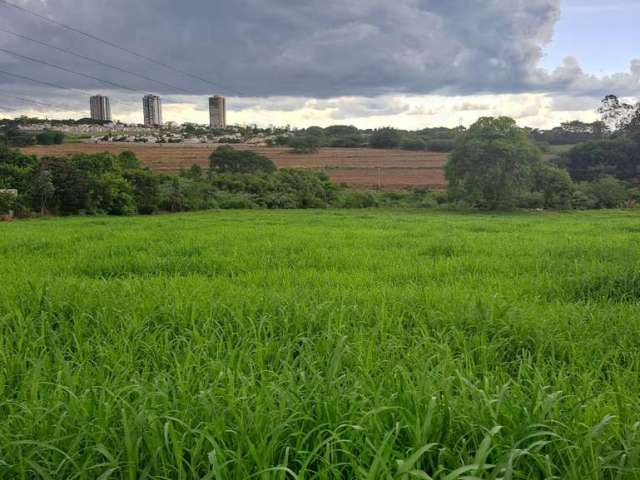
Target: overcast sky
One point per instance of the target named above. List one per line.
(406, 63)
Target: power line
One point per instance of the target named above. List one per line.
(98, 62)
(27, 100)
(68, 70)
(119, 47)
(54, 85)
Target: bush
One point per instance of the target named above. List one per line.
(22, 140)
(413, 143)
(7, 203)
(554, 184)
(50, 138)
(385, 138)
(606, 192)
(229, 160)
(351, 199)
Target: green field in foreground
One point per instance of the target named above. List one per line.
(323, 344)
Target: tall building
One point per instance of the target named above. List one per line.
(152, 108)
(100, 108)
(217, 112)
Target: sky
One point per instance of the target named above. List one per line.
(408, 63)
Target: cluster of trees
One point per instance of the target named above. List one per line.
(120, 185)
(570, 133)
(11, 134)
(497, 165)
(311, 139)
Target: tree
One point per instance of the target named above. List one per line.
(229, 160)
(385, 138)
(72, 187)
(43, 188)
(492, 163)
(617, 115)
(341, 130)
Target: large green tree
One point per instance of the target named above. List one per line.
(492, 164)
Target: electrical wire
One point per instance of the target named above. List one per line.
(119, 47)
(97, 62)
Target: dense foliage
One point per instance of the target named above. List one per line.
(618, 157)
(492, 164)
(120, 185)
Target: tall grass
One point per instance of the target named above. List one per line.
(321, 345)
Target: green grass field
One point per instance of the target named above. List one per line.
(323, 344)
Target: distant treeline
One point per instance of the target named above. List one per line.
(343, 136)
(439, 139)
(15, 137)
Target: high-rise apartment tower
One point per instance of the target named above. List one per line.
(100, 108)
(152, 109)
(217, 112)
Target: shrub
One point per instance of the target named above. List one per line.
(234, 201)
(7, 203)
(50, 138)
(351, 199)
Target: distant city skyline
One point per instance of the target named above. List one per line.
(408, 65)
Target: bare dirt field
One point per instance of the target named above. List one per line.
(358, 168)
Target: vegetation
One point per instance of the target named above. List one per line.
(120, 185)
(228, 160)
(345, 136)
(385, 138)
(11, 135)
(321, 345)
(492, 164)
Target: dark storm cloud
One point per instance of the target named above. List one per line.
(314, 48)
